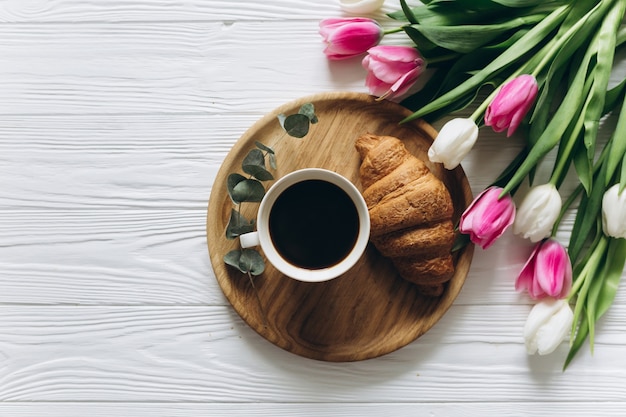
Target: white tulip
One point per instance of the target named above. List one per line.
(360, 6)
(548, 324)
(614, 212)
(538, 212)
(454, 141)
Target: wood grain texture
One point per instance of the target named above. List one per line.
(368, 311)
(206, 354)
(478, 409)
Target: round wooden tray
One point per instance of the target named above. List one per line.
(370, 310)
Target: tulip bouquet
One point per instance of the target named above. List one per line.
(547, 66)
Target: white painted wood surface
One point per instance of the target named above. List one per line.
(114, 119)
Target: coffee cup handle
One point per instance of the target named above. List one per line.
(249, 240)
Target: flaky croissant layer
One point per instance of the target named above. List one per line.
(410, 211)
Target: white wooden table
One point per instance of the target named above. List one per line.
(114, 119)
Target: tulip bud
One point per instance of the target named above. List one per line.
(512, 102)
(538, 212)
(547, 325)
(486, 219)
(392, 70)
(349, 37)
(614, 212)
(360, 6)
(454, 141)
(547, 273)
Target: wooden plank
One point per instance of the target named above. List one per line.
(486, 409)
(206, 354)
(164, 10)
(148, 68)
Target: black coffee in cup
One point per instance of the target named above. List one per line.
(314, 224)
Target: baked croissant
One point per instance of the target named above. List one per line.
(410, 212)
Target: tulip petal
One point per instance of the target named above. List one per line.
(538, 212)
(360, 6)
(454, 141)
(547, 325)
(614, 212)
(487, 217)
(512, 102)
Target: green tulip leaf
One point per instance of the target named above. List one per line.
(616, 258)
(618, 146)
(408, 12)
(577, 342)
(467, 38)
(527, 42)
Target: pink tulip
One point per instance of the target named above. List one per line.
(486, 219)
(547, 273)
(512, 102)
(392, 70)
(349, 37)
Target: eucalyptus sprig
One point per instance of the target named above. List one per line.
(250, 188)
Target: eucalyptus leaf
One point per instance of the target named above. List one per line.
(308, 109)
(297, 125)
(232, 259)
(254, 158)
(251, 261)
(264, 147)
(246, 261)
(238, 225)
(272, 160)
(248, 190)
(281, 119)
(231, 182)
(254, 164)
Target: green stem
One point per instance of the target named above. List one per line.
(394, 30)
(581, 286)
(559, 43)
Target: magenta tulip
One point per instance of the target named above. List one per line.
(486, 219)
(392, 70)
(349, 37)
(512, 102)
(547, 273)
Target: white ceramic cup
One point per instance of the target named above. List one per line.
(262, 236)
